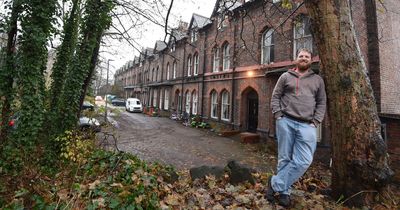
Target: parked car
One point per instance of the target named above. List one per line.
(133, 105)
(118, 102)
(87, 106)
(89, 124)
(98, 98)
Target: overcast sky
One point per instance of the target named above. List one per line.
(121, 52)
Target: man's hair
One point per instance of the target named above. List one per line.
(304, 50)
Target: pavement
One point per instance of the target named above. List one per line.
(159, 139)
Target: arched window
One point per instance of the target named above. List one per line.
(215, 60)
(194, 103)
(166, 99)
(187, 105)
(154, 98)
(161, 100)
(302, 34)
(267, 46)
(225, 105)
(195, 64)
(174, 70)
(167, 71)
(214, 104)
(226, 57)
(156, 76)
(189, 65)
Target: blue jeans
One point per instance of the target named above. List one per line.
(296, 146)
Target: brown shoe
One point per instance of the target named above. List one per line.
(270, 191)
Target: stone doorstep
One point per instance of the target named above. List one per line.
(228, 133)
(249, 138)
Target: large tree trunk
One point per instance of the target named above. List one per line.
(7, 71)
(360, 167)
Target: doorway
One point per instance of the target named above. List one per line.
(252, 111)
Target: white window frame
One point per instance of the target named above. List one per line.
(215, 60)
(299, 34)
(194, 102)
(226, 57)
(267, 46)
(166, 99)
(214, 105)
(174, 69)
(193, 35)
(160, 105)
(196, 64)
(225, 106)
(168, 71)
(187, 102)
(189, 66)
(179, 102)
(154, 98)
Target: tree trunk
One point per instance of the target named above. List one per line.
(360, 160)
(36, 28)
(92, 68)
(6, 74)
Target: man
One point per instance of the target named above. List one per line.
(298, 104)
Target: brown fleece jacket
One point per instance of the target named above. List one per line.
(300, 97)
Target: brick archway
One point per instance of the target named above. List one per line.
(249, 109)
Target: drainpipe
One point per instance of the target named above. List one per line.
(233, 76)
(183, 74)
(204, 71)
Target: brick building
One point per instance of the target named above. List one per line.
(224, 68)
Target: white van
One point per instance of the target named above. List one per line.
(133, 105)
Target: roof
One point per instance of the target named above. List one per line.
(160, 45)
(198, 21)
(178, 34)
(221, 6)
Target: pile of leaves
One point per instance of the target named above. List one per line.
(99, 179)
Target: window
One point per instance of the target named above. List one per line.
(187, 105)
(226, 57)
(193, 35)
(222, 21)
(167, 71)
(174, 70)
(215, 59)
(172, 49)
(161, 100)
(196, 64)
(214, 104)
(225, 106)
(156, 76)
(194, 103)
(179, 102)
(152, 74)
(267, 47)
(154, 98)
(189, 65)
(302, 35)
(166, 99)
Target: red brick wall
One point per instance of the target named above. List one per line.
(389, 50)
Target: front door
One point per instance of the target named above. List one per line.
(252, 113)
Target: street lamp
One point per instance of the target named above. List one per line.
(108, 69)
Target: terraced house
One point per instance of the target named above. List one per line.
(224, 67)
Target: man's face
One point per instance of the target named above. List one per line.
(303, 60)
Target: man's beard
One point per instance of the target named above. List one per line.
(301, 66)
